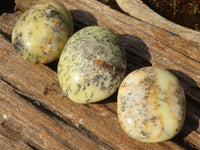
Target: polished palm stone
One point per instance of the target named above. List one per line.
(92, 65)
(41, 33)
(151, 105)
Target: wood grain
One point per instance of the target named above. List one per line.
(35, 114)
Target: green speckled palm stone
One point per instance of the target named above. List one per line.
(41, 33)
(92, 65)
(151, 105)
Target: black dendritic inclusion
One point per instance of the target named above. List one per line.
(146, 135)
(51, 12)
(18, 43)
(48, 12)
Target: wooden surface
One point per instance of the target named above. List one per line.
(34, 114)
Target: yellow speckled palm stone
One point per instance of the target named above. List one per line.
(92, 65)
(151, 105)
(41, 33)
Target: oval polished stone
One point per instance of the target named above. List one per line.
(41, 33)
(151, 105)
(92, 65)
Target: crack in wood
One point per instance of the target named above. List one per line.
(31, 146)
(9, 83)
(96, 138)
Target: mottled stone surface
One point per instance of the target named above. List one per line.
(92, 65)
(151, 105)
(41, 33)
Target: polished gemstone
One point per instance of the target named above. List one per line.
(92, 65)
(41, 33)
(151, 105)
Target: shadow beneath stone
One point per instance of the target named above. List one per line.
(82, 19)
(192, 107)
(183, 76)
(111, 99)
(137, 52)
(190, 125)
(53, 65)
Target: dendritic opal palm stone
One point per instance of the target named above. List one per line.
(41, 33)
(92, 65)
(151, 105)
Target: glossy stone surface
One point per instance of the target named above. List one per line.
(41, 33)
(151, 105)
(92, 65)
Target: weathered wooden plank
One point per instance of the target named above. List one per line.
(98, 121)
(7, 144)
(22, 123)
